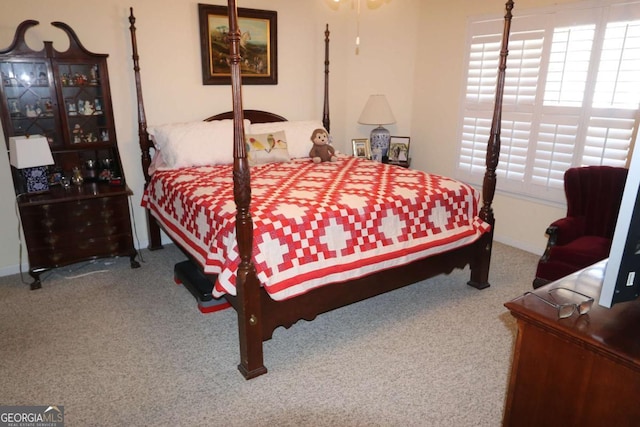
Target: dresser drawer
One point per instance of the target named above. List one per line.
(73, 229)
(63, 232)
(82, 249)
(50, 215)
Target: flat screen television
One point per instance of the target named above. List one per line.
(621, 280)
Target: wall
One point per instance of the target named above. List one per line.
(169, 48)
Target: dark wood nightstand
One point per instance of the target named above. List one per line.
(406, 164)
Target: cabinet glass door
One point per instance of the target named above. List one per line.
(84, 103)
(27, 89)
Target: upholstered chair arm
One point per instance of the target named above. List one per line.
(552, 232)
(568, 229)
(563, 231)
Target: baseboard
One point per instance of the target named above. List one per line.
(518, 245)
(13, 269)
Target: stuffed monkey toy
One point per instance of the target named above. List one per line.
(321, 150)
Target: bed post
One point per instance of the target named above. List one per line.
(326, 122)
(247, 284)
(143, 137)
(480, 264)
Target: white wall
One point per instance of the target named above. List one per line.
(410, 50)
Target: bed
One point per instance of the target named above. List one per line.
(284, 240)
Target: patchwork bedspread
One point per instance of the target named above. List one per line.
(314, 224)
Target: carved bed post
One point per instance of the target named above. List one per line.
(480, 266)
(247, 284)
(326, 122)
(145, 144)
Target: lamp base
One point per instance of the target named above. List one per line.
(36, 179)
(379, 140)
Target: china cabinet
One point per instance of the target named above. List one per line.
(65, 97)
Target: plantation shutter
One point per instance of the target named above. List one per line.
(572, 91)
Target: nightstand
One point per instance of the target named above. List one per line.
(406, 164)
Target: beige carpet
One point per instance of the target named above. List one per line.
(126, 347)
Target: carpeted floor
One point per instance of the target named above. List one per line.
(120, 347)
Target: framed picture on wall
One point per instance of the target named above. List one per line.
(361, 148)
(399, 149)
(258, 45)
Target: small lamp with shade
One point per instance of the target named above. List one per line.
(31, 155)
(377, 112)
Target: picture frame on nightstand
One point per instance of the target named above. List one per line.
(361, 148)
(399, 150)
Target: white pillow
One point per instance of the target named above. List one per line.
(195, 143)
(298, 134)
(266, 148)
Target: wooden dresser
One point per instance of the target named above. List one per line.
(580, 371)
(64, 226)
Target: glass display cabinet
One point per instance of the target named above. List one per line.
(65, 97)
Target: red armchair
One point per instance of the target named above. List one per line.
(584, 236)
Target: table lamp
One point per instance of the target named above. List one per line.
(378, 112)
(31, 154)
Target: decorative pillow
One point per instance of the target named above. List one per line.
(267, 148)
(298, 134)
(195, 143)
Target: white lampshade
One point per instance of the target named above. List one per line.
(376, 112)
(29, 152)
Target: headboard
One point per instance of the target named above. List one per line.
(254, 116)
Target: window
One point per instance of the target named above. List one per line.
(571, 98)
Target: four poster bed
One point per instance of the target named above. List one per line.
(286, 239)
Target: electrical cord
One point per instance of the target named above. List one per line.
(135, 228)
(19, 239)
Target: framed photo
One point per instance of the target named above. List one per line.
(361, 148)
(399, 149)
(258, 45)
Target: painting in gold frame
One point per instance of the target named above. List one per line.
(258, 45)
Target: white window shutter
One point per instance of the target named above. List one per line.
(571, 98)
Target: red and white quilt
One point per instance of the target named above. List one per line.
(314, 224)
